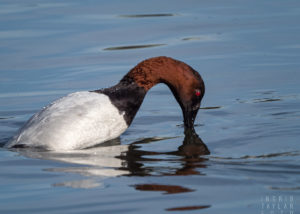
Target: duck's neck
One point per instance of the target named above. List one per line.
(159, 70)
(165, 70)
(127, 96)
(129, 93)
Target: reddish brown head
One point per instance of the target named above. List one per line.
(185, 83)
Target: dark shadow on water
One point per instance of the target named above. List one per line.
(211, 107)
(5, 118)
(259, 100)
(147, 15)
(128, 47)
(264, 100)
(188, 208)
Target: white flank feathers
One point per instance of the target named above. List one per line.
(78, 120)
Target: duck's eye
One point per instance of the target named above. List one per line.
(197, 92)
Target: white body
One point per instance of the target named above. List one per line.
(78, 120)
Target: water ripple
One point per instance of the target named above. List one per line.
(132, 47)
(285, 188)
(271, 155)
(263, 100)
(211, 107)
(188, 208)
(147, 15)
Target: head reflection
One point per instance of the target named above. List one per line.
(188, 156)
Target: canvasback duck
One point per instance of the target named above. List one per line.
(85, 119)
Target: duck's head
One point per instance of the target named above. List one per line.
(188, 89)
(189, 96)
(185, 83)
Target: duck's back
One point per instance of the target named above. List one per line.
(76, 121)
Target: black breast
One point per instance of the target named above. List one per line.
(127, 96)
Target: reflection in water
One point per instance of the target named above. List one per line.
(115, 159)
(97, 161)
(168, 189)
(193, 146)
(188, 155)
(84, 184)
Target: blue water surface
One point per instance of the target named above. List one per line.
(248, 55)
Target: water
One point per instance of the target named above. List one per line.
(248, 55)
